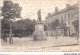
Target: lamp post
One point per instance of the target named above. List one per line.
(10, 36)
(0, 30)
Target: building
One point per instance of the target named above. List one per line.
(66, 17)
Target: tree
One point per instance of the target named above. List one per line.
(24, 27)
(54, 24)
(4, 29)
(10, 11)
(76, 25)
(5, 26)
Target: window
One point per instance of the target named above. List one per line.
(61, 19)
(71, 15)
(69, 23)
(51, 19)
(65, 17)
(68, 16)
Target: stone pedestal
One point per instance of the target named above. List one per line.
(39, 33)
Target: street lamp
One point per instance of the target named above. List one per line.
(0, 29)
(11, 36)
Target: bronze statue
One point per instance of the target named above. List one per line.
(39, 15)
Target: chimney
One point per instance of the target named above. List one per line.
(67, 5)
(56, 9)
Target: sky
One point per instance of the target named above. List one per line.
(31, 7)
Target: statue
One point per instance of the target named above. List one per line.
(39, 15)
(39, 34)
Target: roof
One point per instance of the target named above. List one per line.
(64, 10)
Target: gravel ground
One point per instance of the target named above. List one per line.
(66, 44)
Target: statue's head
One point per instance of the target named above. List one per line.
(39, 15)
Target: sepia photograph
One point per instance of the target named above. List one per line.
(39, 26)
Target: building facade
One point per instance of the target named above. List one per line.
(66, 17)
